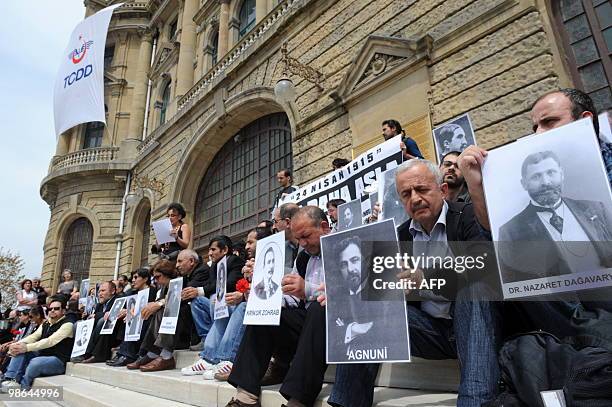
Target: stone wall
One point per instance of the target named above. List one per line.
(489, 58)
(98, 198)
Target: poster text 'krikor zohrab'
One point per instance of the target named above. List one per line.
(266, 296)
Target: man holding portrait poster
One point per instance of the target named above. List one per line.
(454, 320)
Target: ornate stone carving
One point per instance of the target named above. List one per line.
(378, 65)
(295, 67)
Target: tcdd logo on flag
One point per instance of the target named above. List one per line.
(77, 55)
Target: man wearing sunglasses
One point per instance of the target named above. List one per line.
(45, 352)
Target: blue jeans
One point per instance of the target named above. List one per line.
(28, 366)
(225, 336)
(202, 313)
(17, 365)
(473, 335)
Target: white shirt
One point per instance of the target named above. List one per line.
(578, 256)
(436, 305)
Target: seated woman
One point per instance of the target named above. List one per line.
(180, 231)
(26, 298)
(68, 286)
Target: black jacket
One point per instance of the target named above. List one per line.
(465, 238)
(201, 276)
(101, 309)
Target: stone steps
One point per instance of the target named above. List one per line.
(440, 375)
(39, 403)
(171, 388)
(421, 383)
(80, 392)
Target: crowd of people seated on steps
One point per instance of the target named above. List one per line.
(444, 202)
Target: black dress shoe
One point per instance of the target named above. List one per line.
(77, 359)
(119, 361)
(92, 359)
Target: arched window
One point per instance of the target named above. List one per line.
(76, 252)
(94, 131)
(214, 48)
(146, 235)
(165, 102)
(239, 186)
(246, 16)
(586, 31)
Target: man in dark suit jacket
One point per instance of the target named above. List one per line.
(356, 320)
(550, 218)
(266, 288)
(99, 347)
(300, 337)
(468, 329)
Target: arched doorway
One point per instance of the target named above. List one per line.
(76, 252)
(239, 186)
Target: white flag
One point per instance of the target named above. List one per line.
(78, 96)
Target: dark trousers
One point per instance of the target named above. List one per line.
(100, 346)
(300, 337)
(131, 349)
(155, 342)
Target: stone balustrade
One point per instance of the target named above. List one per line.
(87, 156)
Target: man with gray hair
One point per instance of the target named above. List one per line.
(300, 337)
(282, 223)
(466, 329)
(198, 285)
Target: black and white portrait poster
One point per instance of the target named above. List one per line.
(365, 319)
(349, 215)
(132, 331)
(130, 316)
(172, 307)
(266, 296)
(221, 310)
(391, 206)
(83, 292)
(82, 335)
(454, 135)
(351, 181)
(113, 315)
(373, 199)
(550, 209)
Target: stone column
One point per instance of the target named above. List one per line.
(184, 77)
(63, 142)
(223, 29)
(261, 10)
(141, 82)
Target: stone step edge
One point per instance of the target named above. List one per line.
(270, 396)
(223, 390)
(100, 398)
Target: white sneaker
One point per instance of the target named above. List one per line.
(220, 372)
(8, 384)
(197, 368)
(223, 371)
(210, 374)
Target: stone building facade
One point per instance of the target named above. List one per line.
(192, 115)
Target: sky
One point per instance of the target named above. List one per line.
(33, 35)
